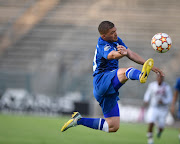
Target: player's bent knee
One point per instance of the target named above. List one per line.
(113, 123)
(122, 75)
(113, 128)
(116, 129)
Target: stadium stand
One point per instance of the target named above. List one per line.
(55, 55)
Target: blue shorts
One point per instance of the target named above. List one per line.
(106, 87)
(114, 112)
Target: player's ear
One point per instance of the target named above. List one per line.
(103, 36)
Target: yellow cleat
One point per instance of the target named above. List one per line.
(146, 70)
(72, 122)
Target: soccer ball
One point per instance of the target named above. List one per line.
(161, 42)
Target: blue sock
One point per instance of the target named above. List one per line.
(95, 123)
(133, 73)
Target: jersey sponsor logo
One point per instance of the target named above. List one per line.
(107, 47)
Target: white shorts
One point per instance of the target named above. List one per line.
(157, 116)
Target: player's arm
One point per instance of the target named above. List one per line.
(116, 54)
(175, 97)
(135, 57)
(121, 52)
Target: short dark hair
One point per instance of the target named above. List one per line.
(104, 26)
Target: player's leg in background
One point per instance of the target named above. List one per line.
(161, 113)
(159, 132)
(151, 117)
(150, 133)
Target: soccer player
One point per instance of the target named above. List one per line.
(175, 99)
(108, 78)
(159, 96)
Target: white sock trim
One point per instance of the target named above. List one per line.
(129, 71)
(105, 127)
(99, 123)
(149, 134)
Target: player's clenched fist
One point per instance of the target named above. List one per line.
(122, 50)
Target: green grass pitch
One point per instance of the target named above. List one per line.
(46, 130)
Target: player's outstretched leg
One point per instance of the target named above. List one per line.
(146, 70)
(72, 122)
(135, 74)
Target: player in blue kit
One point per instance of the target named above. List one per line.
(108, 78)
(175, 99)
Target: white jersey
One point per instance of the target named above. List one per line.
(155, 93)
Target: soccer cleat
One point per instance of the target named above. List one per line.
(146, 70)
(72, 122)
(158, 134)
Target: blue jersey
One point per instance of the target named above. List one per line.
(103, 48)
(177, 85)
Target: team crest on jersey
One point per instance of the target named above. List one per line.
(107, 47)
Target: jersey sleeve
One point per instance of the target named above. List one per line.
(177, 85)
(106, 49)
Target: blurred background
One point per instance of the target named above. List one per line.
(47, 49)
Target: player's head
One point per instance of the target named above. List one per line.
(107, 30)
(160, 79)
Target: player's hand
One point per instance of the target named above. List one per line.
(122, 50)
(172, 109)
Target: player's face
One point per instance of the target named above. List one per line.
(111, 35)
(160, 79)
